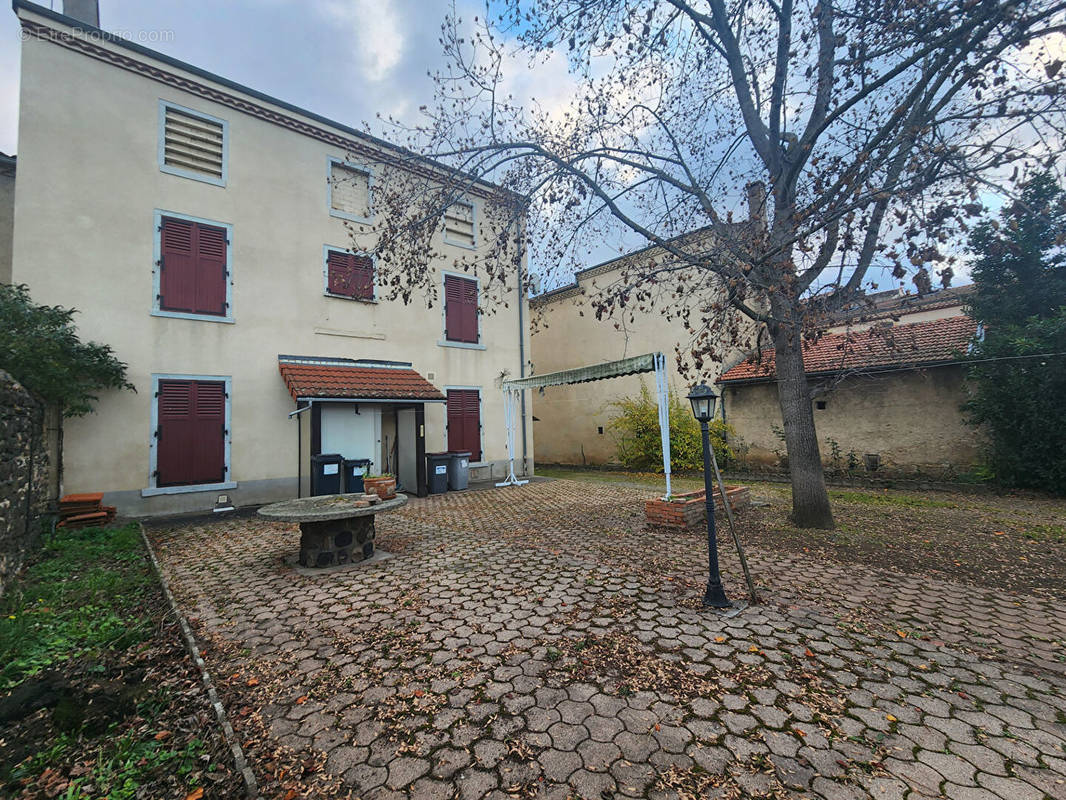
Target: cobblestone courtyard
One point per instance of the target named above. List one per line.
(540, 642)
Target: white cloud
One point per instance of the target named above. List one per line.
(376, 31)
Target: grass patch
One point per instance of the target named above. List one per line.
(79, 598)
(84, 621)
(887, 499)
(1046, 533)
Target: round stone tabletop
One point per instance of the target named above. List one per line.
(326, 507)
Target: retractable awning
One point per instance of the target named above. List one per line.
(315, 378)
(594, 372)
(649, 362)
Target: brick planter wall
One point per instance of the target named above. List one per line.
(688, 511)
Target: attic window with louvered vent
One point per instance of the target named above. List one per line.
(192, 144)
(459, 225)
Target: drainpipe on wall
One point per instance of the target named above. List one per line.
(721, 404)
(522, 366)
(299, 446)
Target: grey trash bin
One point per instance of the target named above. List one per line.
(458, 470)
(326, 473)
(437, 472)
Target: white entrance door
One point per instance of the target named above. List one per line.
(407, 466)
(353, 435)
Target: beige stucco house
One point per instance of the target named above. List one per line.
(572, 422)
(198, 226)
(896, 399)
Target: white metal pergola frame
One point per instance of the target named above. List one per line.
(649, 362)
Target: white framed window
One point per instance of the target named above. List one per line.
(460, 318)
(191, 434)
(350, 190)
(348, 275)
(460, 225)
(193, 144)
(192, 268)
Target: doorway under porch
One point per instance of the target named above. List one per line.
(361, 409)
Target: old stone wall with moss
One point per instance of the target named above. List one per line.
(23, 475)
(907, 422)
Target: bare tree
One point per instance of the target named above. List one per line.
(862, 133)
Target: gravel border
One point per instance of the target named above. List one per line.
(251, 787)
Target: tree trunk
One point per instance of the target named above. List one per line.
(810, 501)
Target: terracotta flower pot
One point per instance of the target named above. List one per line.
(384, 486)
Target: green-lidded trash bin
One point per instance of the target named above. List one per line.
(354, 470)
(437, 472)
(326, 473)
(458, 470)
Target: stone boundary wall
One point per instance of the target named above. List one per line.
(23, 475)
(688, 510)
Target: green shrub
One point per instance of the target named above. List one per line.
(635, 426)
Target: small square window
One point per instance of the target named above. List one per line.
(460, 226)
(820, 405)
(350, 191)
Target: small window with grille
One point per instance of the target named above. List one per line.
(192, 144)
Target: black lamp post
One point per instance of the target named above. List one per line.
(703, 399)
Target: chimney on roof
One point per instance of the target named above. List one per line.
(756, 191)
(87, 11)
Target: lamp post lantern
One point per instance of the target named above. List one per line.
(703, 400)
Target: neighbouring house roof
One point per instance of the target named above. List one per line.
(882, 305)
(914, 345)
(7, 164)
(308, 377)
(85, 42)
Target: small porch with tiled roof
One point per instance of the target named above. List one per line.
(361, 409)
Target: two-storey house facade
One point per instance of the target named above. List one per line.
(199, 227)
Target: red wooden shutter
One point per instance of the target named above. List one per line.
(338, 273)
(211, 270)
(460, 309)
(362, 277)
(350, 275)
(191, 447)
(464, 421)
(177, 276)
(193, 276)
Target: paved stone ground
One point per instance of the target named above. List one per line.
(539, 641)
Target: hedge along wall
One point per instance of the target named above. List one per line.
(23, 475)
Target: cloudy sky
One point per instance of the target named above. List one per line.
(349, 60)
(368, 56)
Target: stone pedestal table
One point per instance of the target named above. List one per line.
(335, 529)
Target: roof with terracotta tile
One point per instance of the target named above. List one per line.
(357, 380)
(916, 344)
